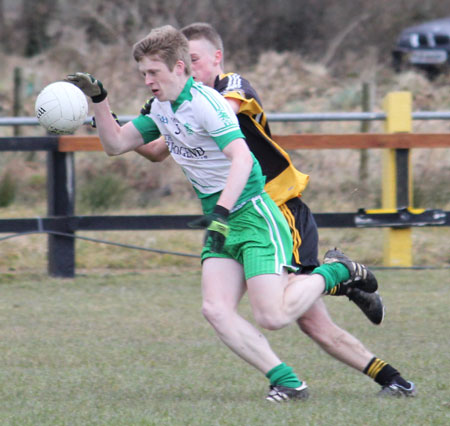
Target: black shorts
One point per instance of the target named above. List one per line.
(304, 235)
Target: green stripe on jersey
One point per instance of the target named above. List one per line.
(215, 104)
(147, 128)
(223, 140)
(226, 128)
(185, 95)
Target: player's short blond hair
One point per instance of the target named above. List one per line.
(203, 30)
(168, 44)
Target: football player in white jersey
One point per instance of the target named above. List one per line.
(247, 238)
(206, 48)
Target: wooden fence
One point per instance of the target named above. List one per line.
(61, 224)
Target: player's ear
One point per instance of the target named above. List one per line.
(218, 57)
(179, 67)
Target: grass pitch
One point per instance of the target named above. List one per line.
(133, 349)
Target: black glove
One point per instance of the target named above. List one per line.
(145, 110)
(89, 85)
(216, 225)
(116, 119)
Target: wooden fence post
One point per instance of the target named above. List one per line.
(397, 179)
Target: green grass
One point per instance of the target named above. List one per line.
(133, 349)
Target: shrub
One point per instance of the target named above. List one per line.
(102, 192)
(8, 188)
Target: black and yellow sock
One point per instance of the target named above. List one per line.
(383, 373)
(338, 290)
(334, 274)
(283, 375)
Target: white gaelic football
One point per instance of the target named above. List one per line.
(61, 107)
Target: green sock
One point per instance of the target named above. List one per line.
(283, 375)
(334, 273)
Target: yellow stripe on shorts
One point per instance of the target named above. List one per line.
(296, 238)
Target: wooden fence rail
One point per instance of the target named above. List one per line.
(306, 141)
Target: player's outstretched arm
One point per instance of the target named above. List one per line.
(115, 139)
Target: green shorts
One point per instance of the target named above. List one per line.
(259, 238)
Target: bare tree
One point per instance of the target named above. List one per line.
(2, 21)
(316, 30)
(340, 37)
(36, 19)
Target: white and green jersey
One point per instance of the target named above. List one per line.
(196, 128)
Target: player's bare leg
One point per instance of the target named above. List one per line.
(223, 286)
(317, 324)
(278, 300)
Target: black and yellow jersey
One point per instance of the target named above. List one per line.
(283, 180)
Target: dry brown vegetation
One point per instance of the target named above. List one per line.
(299, 56)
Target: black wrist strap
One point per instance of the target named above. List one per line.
(101, 97)
(222, 211)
